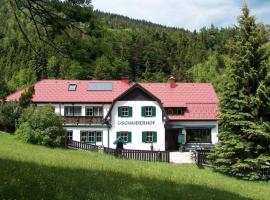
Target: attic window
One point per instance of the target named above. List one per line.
(100, 86)
(72, 87)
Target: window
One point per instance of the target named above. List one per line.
(124, 111)
(91, 136)
(125, 135)
(84, 136)
(198, 135)
(73, 110)
(174, 111)
(94, 111)
(72, 87)
(149, 137)
(98, 136)
(70, 135)
(148, 111)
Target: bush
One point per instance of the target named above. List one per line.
(9, 116)
(42, 126)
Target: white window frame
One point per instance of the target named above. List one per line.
(94, 111)
(124, 135)
(149, 136)
(91, 136)
(148, 111)
(84, 134)
(72, 111)
(99, 135)
(124, 111)
(70, 135)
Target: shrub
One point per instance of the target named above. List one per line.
(41, 125)
(9, 115)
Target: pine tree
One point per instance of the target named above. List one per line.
(245, 105)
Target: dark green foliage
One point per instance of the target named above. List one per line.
(9, 115)
(244, 106)
(95, 45)
(41, 126)
(26, 97)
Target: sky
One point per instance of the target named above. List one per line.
(188, 14)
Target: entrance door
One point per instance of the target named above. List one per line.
(172, 139)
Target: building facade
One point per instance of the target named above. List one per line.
(158, 116)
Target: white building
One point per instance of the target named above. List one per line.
(161, 115)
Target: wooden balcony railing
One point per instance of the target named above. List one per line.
(83, 120)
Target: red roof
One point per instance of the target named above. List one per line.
(199, 99)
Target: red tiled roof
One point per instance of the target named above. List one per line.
(200, 99)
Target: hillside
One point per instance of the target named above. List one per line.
(36, 172)
(114, 46)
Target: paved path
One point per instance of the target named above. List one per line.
(180, 157)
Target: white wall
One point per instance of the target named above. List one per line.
(136, 130)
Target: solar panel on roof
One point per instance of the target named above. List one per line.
(100, 86)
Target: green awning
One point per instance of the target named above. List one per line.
(175, 126)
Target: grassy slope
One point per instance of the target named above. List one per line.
(35, 172)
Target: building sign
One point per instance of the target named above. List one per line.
(141, 123)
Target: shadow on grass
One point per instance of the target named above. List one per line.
(24, 180)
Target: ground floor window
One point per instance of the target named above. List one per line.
(149, 137)
(198, 135)
(125, 135)
(70, 135)
(91, 136)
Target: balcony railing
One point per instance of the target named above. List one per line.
(83, 120)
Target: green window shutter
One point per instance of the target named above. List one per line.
(130, 111)
(154, 137)
(153, 111)
(119, 111)
(129, 137)
(143, 137)
(118, 134)
(143, 111)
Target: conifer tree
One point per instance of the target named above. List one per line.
(245, 105)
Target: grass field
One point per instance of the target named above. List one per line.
(36, 172)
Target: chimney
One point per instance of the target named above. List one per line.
(125, 79)
(171, 82)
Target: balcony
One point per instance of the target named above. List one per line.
(83, 120)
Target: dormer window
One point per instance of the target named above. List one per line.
(72, 87)
(174, 111)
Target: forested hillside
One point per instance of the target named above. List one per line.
(113, 46)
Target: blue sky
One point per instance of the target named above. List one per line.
(188, 14)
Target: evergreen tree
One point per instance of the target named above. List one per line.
(245, 113)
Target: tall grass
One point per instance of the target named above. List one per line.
(36, 172)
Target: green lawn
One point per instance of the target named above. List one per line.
(36, 172)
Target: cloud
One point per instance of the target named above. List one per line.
(188, 14)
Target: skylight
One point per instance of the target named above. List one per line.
(72, 87)
(100, 86)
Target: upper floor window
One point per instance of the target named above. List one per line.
(73, 110)
(124, 111)
(72, 87)
(149, 137)
(174, 111)
(148, 111)
(94, 111)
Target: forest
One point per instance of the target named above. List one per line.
(113, 46)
